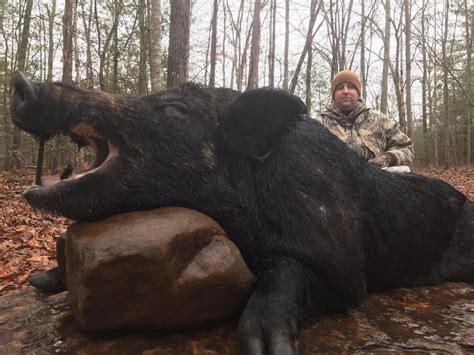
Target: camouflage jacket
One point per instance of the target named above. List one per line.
(370, 133)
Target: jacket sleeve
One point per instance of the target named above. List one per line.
(398, 143)
(320, 118)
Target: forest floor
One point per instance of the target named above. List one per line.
(27, 236)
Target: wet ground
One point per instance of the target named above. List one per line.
(431, 319)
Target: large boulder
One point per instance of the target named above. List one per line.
(163, 268)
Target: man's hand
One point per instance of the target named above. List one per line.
(383, 161)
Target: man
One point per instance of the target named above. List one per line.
(370, 133)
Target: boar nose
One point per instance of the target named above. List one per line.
(22, 90)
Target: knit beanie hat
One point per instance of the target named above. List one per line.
(346, 76)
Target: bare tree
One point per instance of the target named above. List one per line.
(408, 60)
(223, 45)
(208, 48)
(469, 28)
(309, 67)
(433, 107)
(115, 52)
(271, 50)
(51, 17)
(178, 51)
(25, 36)
(87, 24)
(7, 151)
(42, 39)
(103, 43)
(338, 19)
(240, 45)
(57, 155)
(424, 80)
(287, 41)
(68, 26)
(315, 6)
(362, 50)
(213, 44)
(142, 65)
(21, 66)
(397, 70)
(103, 50)
(386, 59)
(75, 48)
(155, 45)
(444, 50)
(255, 47)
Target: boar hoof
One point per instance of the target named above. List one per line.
(48, 281)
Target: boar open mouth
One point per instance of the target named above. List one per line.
(33, 109)
(83, 134)
(86, 135)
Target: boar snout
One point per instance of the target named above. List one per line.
(22, 91)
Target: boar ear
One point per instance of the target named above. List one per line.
(257, 120)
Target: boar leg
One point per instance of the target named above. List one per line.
(54, 280)
(284, 293)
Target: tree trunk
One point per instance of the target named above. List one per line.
(87, 23)
(76, 49)
(99, 48)
(397, 76)
(445, 87)
(51, 18)
(287, 42)
(333, 38)
(155, 46)
(314, 10)
(7, 157)
(386, 60)
(213, 59)
(69, 15)
(309, 66)
(21, 66)
(115, 55)
(424, 85)
(235, 43)
(408, 60)
(242, 63)
(338, 20)
(25, 36)
(142, 77)
(42, 39)
(469, 23)
(178, 51)
(435, 116)
(362, 51)
(223, 46)
(68, 26)
(118, 6)
(345, 21)
(255, 47)
(271, 51)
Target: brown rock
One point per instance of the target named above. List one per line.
(163, 268)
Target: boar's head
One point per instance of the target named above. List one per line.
(150, 151)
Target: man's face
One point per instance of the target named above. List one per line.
(346, 97)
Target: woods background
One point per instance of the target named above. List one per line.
(414, 58)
